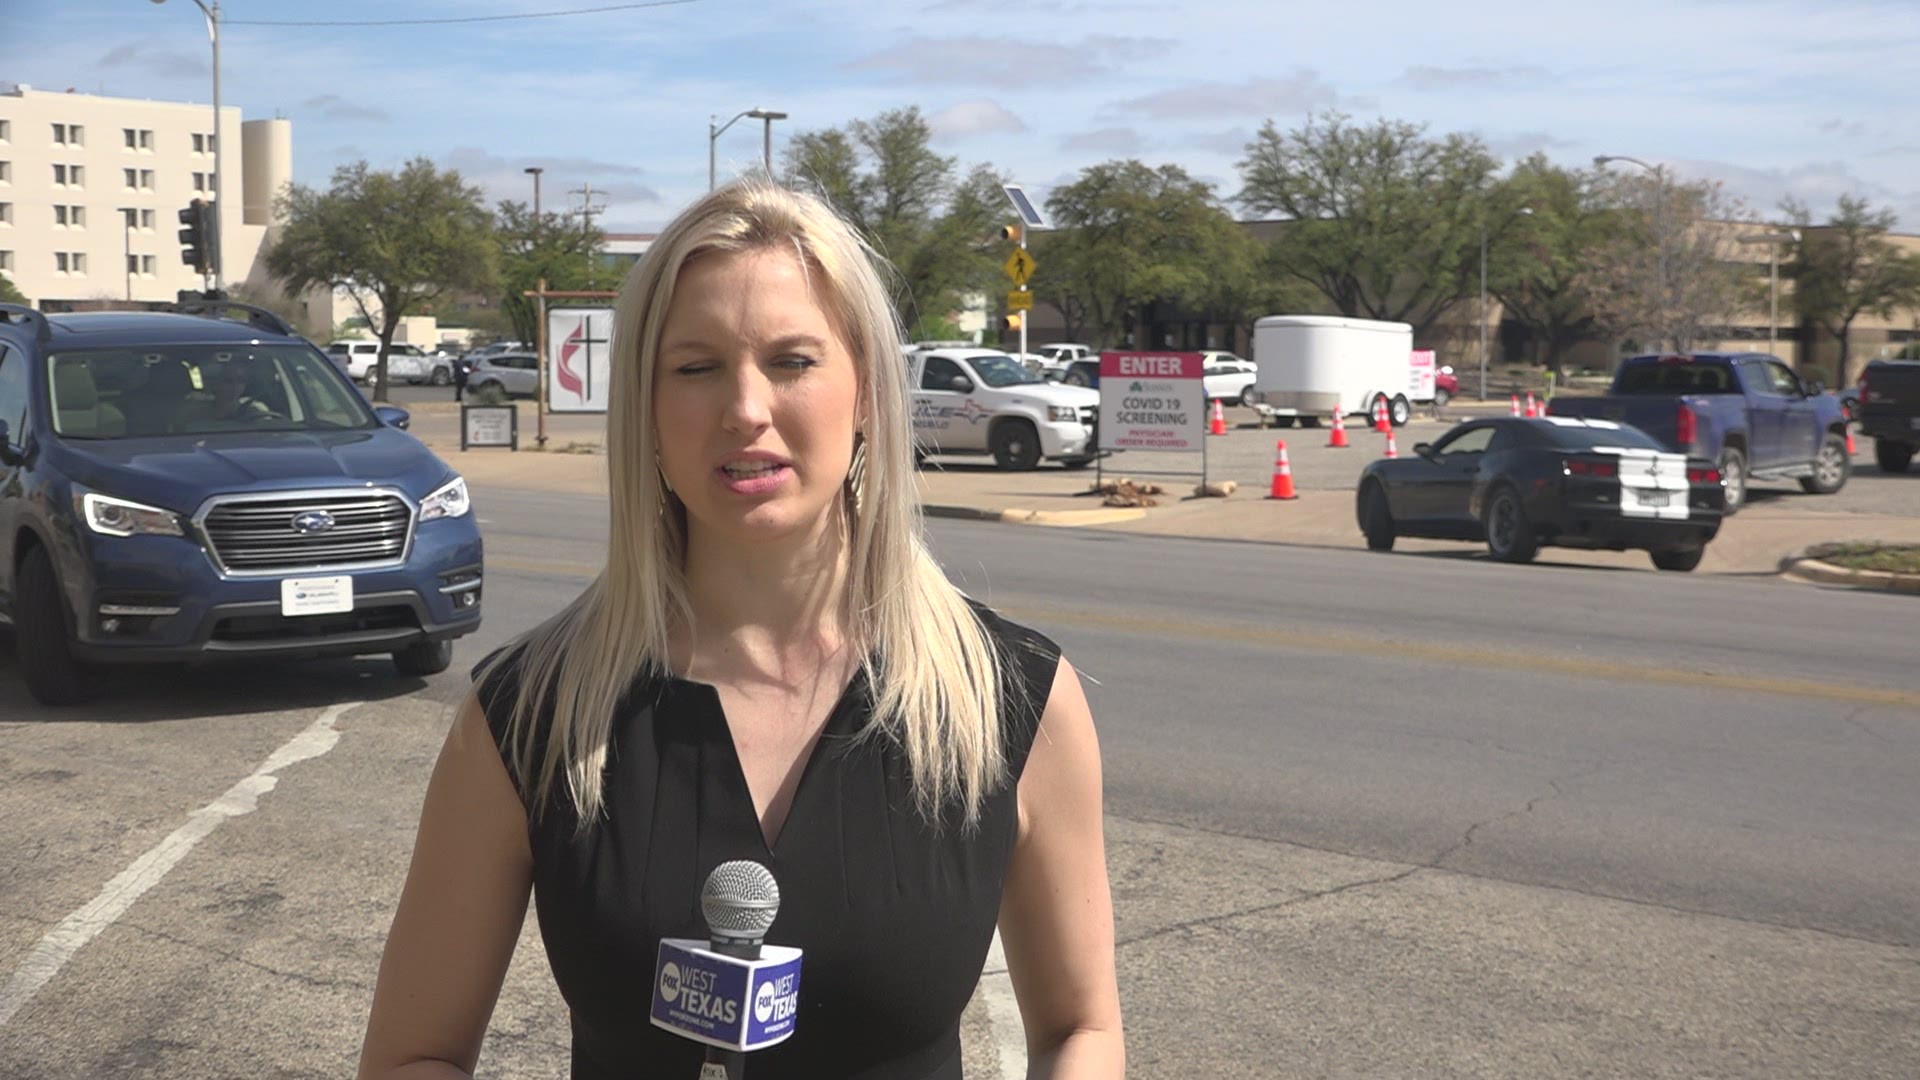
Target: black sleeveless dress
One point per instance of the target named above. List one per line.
(895, 916)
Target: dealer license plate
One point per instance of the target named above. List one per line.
(316, 595)
(1652, 498)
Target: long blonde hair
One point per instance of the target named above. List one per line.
(938, 680)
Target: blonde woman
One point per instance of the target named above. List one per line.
(770, 667)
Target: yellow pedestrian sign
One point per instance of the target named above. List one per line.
(1019, 301)
(1019, 266)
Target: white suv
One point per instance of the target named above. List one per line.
(982, 401)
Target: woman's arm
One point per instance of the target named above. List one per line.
(459, 915)
(1056, 914)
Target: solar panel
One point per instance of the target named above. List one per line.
(1023, 206)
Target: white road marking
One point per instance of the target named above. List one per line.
(1003, 1013)
(54, 950)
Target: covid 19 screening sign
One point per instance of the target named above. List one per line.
(1152, 401)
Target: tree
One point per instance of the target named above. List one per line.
(884, 176)
(558, 248)
(1127, 235)
(1536, 262)
(1668, 273)
(393, 241)
(10, 293)
(1383, 220)
(1848, 268)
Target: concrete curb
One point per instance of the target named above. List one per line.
(1059, 519)
(1805, 565)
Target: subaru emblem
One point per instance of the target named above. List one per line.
(312, 522)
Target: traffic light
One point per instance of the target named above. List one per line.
(1015, 232)
(1012, 321)
(196, 239)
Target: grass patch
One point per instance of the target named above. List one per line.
(1897, 558)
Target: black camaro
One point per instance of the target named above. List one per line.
(1520, 484)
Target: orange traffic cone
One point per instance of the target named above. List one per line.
(1849, 428)
(1513, 405)
(1392, 450)
(1381, 420)
(1339, 437)
(1530, 413)
(1282, 473)
(1218, 426)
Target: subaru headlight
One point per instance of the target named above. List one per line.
(122, 517)
(1062, 414)
(448, 501)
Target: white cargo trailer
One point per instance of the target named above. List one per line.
(1314, 365)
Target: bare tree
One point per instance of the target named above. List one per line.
(1669, 274)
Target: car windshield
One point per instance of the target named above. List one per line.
(999, 369)
(199, 390)
(1595, 435)
(1668, 377)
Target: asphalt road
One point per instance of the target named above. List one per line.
(1417, 816)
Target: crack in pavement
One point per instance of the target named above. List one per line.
(1853, 719)
(293, 976)
(1259, 909)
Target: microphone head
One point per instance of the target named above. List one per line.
(740, 900)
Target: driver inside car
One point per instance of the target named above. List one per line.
(229, 404)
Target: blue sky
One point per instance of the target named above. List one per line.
(1812, 99)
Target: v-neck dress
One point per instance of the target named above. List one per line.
(895, 915)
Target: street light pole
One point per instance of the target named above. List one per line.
(1659, 222)
(1523, 211)
(714, 133)
(535, 171)
(1773, 240)
(219, 145)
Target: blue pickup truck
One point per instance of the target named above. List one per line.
(191, 486)
(1747, 411)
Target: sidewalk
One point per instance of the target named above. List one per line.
(1753, 542)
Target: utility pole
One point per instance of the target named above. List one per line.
(586, 212)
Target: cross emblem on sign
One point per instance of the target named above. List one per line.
(581, 339)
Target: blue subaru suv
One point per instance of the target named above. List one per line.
(204, 484)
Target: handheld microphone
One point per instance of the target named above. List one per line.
(734, 993)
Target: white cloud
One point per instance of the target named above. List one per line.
(969, 118)
(1301, 91)
(334, 107)
(1428, 77)
(1819, 184)
(994, 61)
(1117, 141)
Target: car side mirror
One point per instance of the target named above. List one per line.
(1424, 449)
(1816, 388)
(961, 383)
(8, 456)
(393, 417)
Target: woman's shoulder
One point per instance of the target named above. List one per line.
(1034, 654)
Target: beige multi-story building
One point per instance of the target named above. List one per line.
(91, 189)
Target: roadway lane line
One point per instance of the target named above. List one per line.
(1510, 660)
(1003, 1013)
(54, 950)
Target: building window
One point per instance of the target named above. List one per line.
(133, 264)
(59, 176)
(199, 181)
(146, 179)
(146, 219)
(6, 131)
(59, 134)
(6, 172)
(6, 260)
(132, 177)
(79, 261)
(132, 137)
(146, 265)
(76, 216)
(202, 144)
(6, 213)
(59, 262)
(67, 135)
(68, 175)
(146, 139)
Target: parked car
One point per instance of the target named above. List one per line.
(1890, 411)
(1520, 484)
(982, 401)
(1446, 386)
(1228, 378)
(356, 358)
(1746, 412)
(411, 365)
(516, 374)
(179, 486)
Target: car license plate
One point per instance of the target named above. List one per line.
(316, 595)
(1652, 498)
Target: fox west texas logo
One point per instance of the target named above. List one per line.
(691, 991)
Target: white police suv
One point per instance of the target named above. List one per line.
(982, 401)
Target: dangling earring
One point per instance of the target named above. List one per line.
(857, 469)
